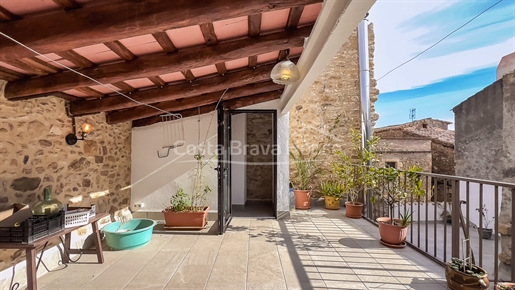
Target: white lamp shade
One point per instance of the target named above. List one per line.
(285, 73)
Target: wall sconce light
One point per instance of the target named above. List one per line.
(285, 73)
(71, 139)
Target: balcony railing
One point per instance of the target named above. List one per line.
(452, 212)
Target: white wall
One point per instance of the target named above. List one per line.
(155, 180)
(488, 200)
(238, 158)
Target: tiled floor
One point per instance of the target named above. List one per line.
(315, 249)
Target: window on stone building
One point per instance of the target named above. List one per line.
(391, 164)
(424, 126)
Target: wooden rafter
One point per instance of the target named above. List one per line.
(67, 4)
(90, 92)
(252, 100)
(173, 92)
(124, 87)
(164, 41)
(282, 54)
(157, 81)
(253, 61)
(185, 114)
(157, 64)
(40, 65)
(9, 74)
(193, 102)
(208, 31)
(75, 58)
(120, 49)
(188, 75)
(220, 67)
(232, 104)
(110, 20)
(254, 24)
(294, 17)
(6, 15)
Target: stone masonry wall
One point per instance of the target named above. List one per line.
(406, 152)
(485, 148)
(443, 158)
(335, 93)
(259, 139)
(34, 154)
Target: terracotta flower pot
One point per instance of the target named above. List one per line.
(332, 202)
(392, 234)
(457, 280)
(302, 199)
(353, 209)
(186, 219)
(507, 284)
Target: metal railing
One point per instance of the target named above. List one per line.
(453, 210)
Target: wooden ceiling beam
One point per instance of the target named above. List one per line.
(174, 92)
(90, 92)
(38, 64)
(110, 20)
(254, 24)
(208, 31)
(252, 100)
(164, 41)
(124, 87)
(193, 102)
(6, 15)
(232, 105)
(67, 4)
(120, 49)
(75, 58)
(158, 64)
(184, 114)
(188, 75)
(221, 68)
(157, 81)
(9, 74)
(294, 17)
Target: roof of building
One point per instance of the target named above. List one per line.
(416, 129)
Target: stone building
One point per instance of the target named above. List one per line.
(335, 95)
(485, 148)
(427, 143)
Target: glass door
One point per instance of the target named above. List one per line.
(224, 171)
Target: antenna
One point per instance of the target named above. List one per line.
(412, 114)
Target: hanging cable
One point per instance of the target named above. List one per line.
(452, 32)
(88, 77)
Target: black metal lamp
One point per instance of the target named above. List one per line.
(71, 139)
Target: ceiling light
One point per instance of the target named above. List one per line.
(285, 73)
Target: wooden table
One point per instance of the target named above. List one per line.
(30, 248)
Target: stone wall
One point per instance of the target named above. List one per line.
(334, 94)
(443, 158)
(485, 148)
(34, 154)
(259, 156)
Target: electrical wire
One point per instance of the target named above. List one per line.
(435, 44)
(88, 77)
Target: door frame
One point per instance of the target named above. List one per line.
(274, 143)
(224, 167)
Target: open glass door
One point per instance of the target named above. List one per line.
(224, 170)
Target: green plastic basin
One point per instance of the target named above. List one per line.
(133, 234)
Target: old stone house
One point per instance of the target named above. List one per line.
(427, 143)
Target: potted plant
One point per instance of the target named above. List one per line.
(395, 186)
(332, 191)
(505, 286)
(189, 211)
(306, 167)
(356, 177)
(465, 276)
(485, 232)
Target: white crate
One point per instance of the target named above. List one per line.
(78, 217)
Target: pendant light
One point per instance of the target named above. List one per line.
(285, 73)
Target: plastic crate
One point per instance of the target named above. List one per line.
(34, 228)
(77, 217)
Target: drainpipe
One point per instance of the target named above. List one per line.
(364, 80)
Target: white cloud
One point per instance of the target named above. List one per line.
(393, 46)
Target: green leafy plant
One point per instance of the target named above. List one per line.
(306, 166)
(332, 188)
(357, 176)
(468, 268)
(180, 201)
(405, 218)
(394, 186)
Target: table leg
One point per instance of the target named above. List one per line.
(31, 269)
(66, 251)
(98, 243)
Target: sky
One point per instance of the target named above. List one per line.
(449, 73)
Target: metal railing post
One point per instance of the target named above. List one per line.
(455, 216)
